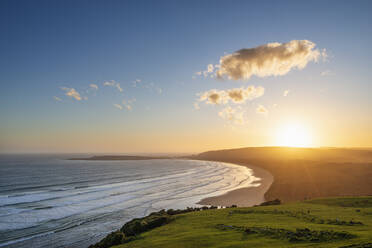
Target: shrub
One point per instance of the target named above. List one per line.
(114, 238)
(140, 225)
(300, 235)
(269, 203)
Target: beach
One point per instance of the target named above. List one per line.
(244, 197)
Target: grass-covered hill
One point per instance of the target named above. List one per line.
(304, 173)
(329, 222)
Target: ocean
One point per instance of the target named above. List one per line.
(49, 201)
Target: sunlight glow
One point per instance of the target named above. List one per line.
(293, 135)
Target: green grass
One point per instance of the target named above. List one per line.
(337, 221)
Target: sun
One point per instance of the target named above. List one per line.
(293, 135)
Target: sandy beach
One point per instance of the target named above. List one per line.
(244, 197)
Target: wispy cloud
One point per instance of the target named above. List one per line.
(325, 55)
(285, 93)
(113, 83)
(118, 106)
(71, 92)
(152, 87)
(235, 95)
(57, 98)
(233, 115)
(196, 106)
(261, 110)
(135, 82)
(326, 73)
(93, 86)
(128, 104)
(272, 59)
(209, 71)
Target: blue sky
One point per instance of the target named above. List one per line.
(47, 45)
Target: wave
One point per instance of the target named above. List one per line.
(24, 239)
(37, 196)
(179, 184)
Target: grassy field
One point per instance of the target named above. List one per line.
(329, 222)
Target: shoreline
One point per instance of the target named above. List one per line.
(244, 197)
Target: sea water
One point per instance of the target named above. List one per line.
(50, 201)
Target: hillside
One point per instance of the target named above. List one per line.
(332, 222)
(305, 173)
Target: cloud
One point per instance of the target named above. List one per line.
(118, 106)
(128, 104)
(209, 71)
(113, 83)
(210, 68)
(326, 73)
(213, 97)
(196, 106)
(325, 55)
(135, 82)
(261, 110)
(57, 98)
(272, 59)
(152, 87)
(236, 95)
(93, 86)
(234, 115)
(285, 93)
(71, 92)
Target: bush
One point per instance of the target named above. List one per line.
(140, 225)
(114, 238)
(300, 235)
(361, 245)
(269, 203)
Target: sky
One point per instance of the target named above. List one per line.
(183, 76)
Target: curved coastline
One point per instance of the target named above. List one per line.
(244, 197)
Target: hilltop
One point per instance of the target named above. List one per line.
(333, 222)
